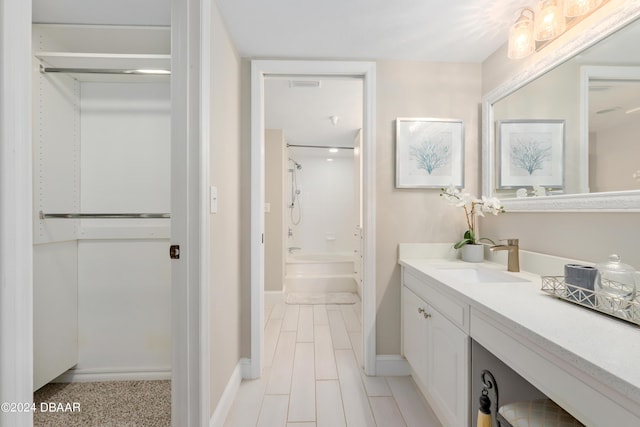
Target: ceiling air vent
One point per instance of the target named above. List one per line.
(304, 83)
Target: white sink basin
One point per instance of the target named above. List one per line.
(480, 275)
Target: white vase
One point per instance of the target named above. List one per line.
(472, 253)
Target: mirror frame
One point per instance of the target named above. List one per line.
(617, 201)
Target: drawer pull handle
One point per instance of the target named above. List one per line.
(423, 312)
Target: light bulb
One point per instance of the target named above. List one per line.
(550, 20)
(521, 42)
(573, 8)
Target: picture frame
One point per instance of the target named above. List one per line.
(429, 152)
(530, 153)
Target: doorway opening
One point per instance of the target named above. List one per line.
(360, 152)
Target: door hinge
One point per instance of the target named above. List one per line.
(174, 251)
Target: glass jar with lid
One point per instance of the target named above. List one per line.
(615, 283)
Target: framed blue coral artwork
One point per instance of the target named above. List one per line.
(429, 153)
(531, 153)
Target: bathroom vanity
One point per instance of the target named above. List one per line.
(585, 361)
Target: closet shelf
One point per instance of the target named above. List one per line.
(104, 60)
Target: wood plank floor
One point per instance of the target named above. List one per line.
(313, 376)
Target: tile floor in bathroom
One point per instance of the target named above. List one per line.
(312, 376)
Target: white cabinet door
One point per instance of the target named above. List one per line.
(438, 352)
(448, 370)
(415, 333)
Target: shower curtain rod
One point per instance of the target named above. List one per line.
(140, 72)
(43, 215)
(319, 146)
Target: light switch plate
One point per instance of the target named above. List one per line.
(213, 196)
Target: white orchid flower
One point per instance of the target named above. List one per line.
(473, 207)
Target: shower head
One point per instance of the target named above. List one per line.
(298, 165)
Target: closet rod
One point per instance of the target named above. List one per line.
(326, 147)
(43, 215)
(140, 72)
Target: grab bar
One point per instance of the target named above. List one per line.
(43, 215)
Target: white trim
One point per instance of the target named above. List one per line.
(245, 365)
(366, 70)
(392, 365)
(205, 216)
(257, 220)
(228, 395)
(89, 375)
(273, 297)
(594, 202)
(16, 251)
(187, 382)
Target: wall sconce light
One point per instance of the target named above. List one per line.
(521, 42)
(550, 20)
(533, 31)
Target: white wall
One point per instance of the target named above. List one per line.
(327, 199)
(123, 312)
(123, 268)
(125, 147)
(104, 148)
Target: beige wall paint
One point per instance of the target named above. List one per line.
(614, 156)
(274, 244)
(586, 236)
(226, 168)
(417, 89)
(532, 102)
(404, 89)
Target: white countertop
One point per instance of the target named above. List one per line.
(602, 347)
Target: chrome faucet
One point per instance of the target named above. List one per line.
(293, 248)
(513, 261)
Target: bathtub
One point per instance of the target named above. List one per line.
(321, 272)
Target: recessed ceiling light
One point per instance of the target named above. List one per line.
(333, 150)
(329, 160)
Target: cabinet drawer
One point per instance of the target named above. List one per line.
(456, 312)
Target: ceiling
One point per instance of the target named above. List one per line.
(304, 113)
(424, 30)
(421, 30)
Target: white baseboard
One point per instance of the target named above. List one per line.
(273, 297)
(229, 394)
(391, 365)
(111, 374)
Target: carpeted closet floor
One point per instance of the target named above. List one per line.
(104, 404)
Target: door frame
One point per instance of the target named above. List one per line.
(16, 251)
(260, 69)
(190, 71)
(190, 379)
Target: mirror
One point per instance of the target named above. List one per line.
(563, 134)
